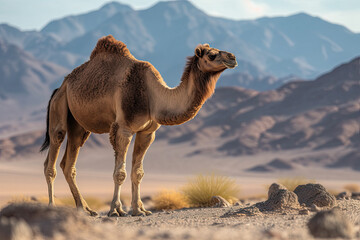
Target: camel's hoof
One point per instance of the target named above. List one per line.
(141, 213)
(138, 214)
(89, 211)
(147, 212)
(93, 213)
(113, 214)
(117, 213)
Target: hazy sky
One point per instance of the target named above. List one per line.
(35, 14)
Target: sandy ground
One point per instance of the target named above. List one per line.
(169, 169)
(213, 223)
(196, 223)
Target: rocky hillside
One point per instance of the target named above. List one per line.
(25, 81)
(314, 115)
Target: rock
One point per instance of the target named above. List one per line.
(330, 224)
(355, 195)
(218, 201)
(275, 187)
(304, 212)
(314, 194)
(11, 228)
(48, 220)
(238, 203)
(315, 208)
(280, 199)
(344, 195)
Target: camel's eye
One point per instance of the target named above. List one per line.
(212, 57)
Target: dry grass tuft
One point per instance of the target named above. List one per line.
(170, 200)
(352, 187)
(292, 182)
(201, 188)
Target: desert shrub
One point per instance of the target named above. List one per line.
(352, 187)
(170, 200)
(292, 182)
(201, 188)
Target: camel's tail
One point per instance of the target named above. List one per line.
(46, 142)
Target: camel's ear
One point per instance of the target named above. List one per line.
(199, 51)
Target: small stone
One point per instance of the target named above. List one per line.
(355, 195)
(304, 212)
(218, 201)
(238, 204)
(344, 195)
(330, 224)
(315, 208)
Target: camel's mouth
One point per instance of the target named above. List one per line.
(230, 64)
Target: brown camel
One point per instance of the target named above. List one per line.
(117, 94)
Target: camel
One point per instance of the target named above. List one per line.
(115, 93)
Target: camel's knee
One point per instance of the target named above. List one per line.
(70, 173)
(50, 174)
(137, 176)
(120, 176)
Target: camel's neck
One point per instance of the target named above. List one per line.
(177, 105)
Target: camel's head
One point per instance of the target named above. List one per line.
(214, 60)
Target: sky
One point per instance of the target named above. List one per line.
(35, 14)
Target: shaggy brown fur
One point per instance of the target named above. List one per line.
(135, 98)
(109, 44)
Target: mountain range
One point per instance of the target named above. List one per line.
(319, 118)
(277, 48)
(316, 115)
(25, 81)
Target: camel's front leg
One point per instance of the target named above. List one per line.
(120, 138)
(142, 143)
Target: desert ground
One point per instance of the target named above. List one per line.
(171, 169)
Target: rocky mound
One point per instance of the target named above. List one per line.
(314, 194)
(279, 198)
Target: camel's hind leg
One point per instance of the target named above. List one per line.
(77, 136)
(142, 143)
(57, 126)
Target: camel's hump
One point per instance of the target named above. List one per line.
(111, 45)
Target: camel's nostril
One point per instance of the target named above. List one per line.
(231, 56)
